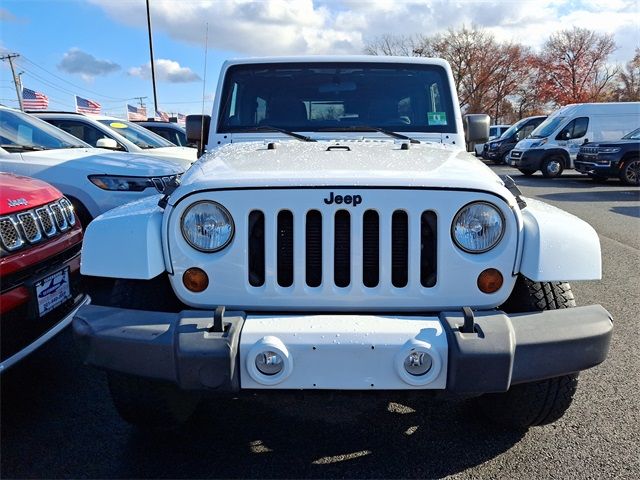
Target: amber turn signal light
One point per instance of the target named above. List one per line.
(490, 280)
(195, 279)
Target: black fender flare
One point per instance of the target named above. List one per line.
(558, 152)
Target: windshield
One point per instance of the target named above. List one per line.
(514, 128)
(321, 96)
(19, 131)
(142, 137)
(635, 135)
(547, 127)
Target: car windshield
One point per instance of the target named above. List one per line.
(547, 127)
(142, 137)
(325, 96)
(513, 129)
(635, 135)
(22, 132)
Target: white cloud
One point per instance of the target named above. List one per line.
(280, 27)
(166, 71)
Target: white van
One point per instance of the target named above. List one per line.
(553, 146)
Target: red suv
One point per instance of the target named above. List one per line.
(40, 239)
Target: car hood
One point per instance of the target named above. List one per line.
(612, 143)
(97, 160)
(183, 155)
(19, 193)
(339, 163)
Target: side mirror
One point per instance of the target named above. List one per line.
(109, 143)
(476, 127)
(197, 127)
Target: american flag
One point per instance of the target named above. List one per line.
(87, 106)
(164, 116)
(182, 119)
(33, 100)
(135, 113)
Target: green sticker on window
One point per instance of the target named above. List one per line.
(437, 118)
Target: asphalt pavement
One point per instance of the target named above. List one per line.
(57, 420)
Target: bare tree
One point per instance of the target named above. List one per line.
(628, 88)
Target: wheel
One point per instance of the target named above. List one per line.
(148, 403)
(535, 403)
(505, 158)
(630, 173)
(552, 167)
(155, 295)
(526, 172)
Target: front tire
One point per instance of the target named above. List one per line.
(552, 167)
(630, 173)
(147, 403)
(536, 403)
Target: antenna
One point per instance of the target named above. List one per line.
(204, 84)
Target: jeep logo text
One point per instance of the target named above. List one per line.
(354, 200)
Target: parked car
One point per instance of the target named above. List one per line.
(120, 135)
(170, 131)
(553, 146)
(338, 237)
(40, 240)
(495, 131)
(95, 180)
(613, 159)
(498, 150)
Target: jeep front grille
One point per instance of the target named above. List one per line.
(35, 225)
(339, 248)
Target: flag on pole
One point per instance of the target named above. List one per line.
(135, 113)
(84, 105)
(164, 116)
(182, 119)
(33, 100)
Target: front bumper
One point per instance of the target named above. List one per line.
(530, 159)
(603, 167)
(502, 350)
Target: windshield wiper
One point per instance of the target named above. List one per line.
(28, 148)
(368, 128)
(269, 128)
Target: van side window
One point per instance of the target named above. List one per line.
(576, 128)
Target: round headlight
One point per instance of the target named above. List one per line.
(207, 226)
(477, 227)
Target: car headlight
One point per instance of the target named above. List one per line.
(207, 226)
(539, 143)
(477, 227)
(121, 183)
(609, 149)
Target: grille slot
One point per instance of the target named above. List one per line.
(399, 249)
(29, 227)
(9, 234)
(68, 211)
(59, 216)
(371, 249)
(313, 248)
(256, 248)
(46, 221)
(342, 249)
(428, 248)
(285, 248)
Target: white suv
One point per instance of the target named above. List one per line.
(120, 135)
(336, 236)
(95, 180)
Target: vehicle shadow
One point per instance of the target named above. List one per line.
(629, 211)
(594, 196)
(311, 436)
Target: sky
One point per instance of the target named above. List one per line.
(98, 49)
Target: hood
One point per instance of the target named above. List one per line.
(19, 193)
(185, 156)
(339, 163)
(611, 143)
(97, 160)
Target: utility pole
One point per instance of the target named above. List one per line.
(153, 68)
(16, 80)
(140, 101)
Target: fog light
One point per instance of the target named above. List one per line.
(269, 363)
(490, 280)
(417, 363)
(195, 279)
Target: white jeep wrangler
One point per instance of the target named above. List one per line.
(336, 236)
